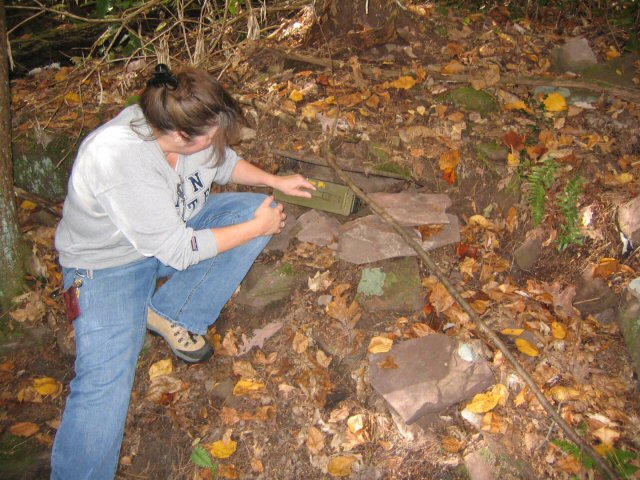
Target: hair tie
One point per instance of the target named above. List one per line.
(163, 77)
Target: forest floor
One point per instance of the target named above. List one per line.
(309, 410)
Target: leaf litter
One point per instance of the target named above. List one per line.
(302, 391)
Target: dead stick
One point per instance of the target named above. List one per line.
(321, 162)
(482, 327)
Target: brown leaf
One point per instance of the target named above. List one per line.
(388, 363)
(605, 268)
(315, 440)
(226, 470)
(244, 369)
(341, 466)
(452, 444)
(440, 298)
(24, 429)
(300, 343)
(256, 465)
(514, 140)
(452, 68)
(229, 416)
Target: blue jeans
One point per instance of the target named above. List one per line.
(110, 332)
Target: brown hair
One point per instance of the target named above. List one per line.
(191, 102)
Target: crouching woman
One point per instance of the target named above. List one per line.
(139, 208)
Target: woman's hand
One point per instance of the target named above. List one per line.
(271, 220)
(295, 185)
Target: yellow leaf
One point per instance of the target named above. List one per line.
(248, 387)
(513, 160)
(484, 402)
(421, 110)
(24, 429)
(160, 368)
(315, 440)
(623, 178)
(72, 97)
(223, 448)
(47, 386)
(558, 331)
(296, 96)
(527, 347)
(403, 83)
(341, 466)
(612, 53)
(555, 103)
(519, 105)
(355, 423)
(380, 345)
(449, 160)
(28, 205)
(452, 444)
(563, 394)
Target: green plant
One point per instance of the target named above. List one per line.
(620, 460)
(568, 203)
(540, 179)
(203, 459)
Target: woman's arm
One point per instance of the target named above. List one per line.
(247, 174)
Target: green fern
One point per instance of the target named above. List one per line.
(540, 180)
(568, 204)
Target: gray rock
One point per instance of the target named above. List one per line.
(281, 241)
(318, 228)
(593, 296)
(492, 151)
(401, 288)
(266, 284)
(527, 254)
(495, 462)
(629, 320)
(429, 378)
(629, 221)
(574, 56)
(414, 208)
(480, 465)
(370, 239)
(473, 100)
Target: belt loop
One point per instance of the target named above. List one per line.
(90, 274)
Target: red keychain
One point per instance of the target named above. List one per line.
(71, 300)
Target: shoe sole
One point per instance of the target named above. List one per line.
(181, 355)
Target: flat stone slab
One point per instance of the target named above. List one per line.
(574, 56)
(396, 287)
(265, 285)
(414, 208)
(430, 376)
(370, 239)
(318, 228)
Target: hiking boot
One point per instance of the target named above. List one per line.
(188, 346)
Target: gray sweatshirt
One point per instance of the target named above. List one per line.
(125, 202)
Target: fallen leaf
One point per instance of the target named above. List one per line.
(527, 347)
(388, 363)
(72, 97)
(452, 68)
(161, 367)
(341, 466)
(24, 429)
(355, 423)
(256, 465)
(259, 337)
(28, 205)
(452, 444)
(605, 268)
(493, 423)
(323, 359)
(514, 140)
(484, 402)
(518, 105)
(448, 162)
(300, 343)
(440, 298)
(229, 416)
(606, 435)
(315, 440)
(561, 393)
(513, 159)
(558, 330)
(555, 103)
(223, 448)
(227, 470)
(380, 344)
(403, 83)
(46, 386)
(244, 369)
(296, 96)
(248, 387)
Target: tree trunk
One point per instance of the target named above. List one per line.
(11, 265)
(360, 23)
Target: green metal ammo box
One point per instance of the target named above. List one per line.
(328, 196)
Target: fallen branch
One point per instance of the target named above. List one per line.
(321, 162)
(480, 324)
(629, 94)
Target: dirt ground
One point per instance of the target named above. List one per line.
(311, 377)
